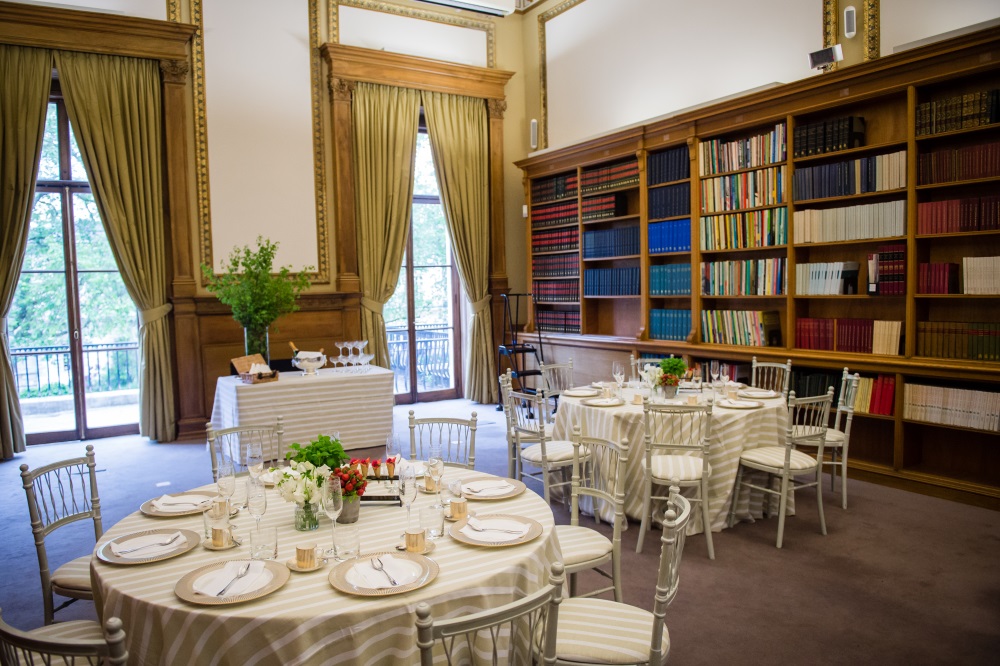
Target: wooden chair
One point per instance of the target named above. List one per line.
(521, 632)
(232, 443)
(677, 439)
(59, 494)
(771, 376)
(837, 440)
(807, 418)
(533, 445)
(599, 631)
(598, 473)
(68, 643)
(456, 437)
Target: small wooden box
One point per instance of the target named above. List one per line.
(243, 365)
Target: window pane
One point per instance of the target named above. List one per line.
(77, 172)
(431, 245)
(107, 314)
(48, 165)
(424, 178)
(434, 360)
(432, 296)
(44, 251)
(397, 335)
(92, 249)
(38, 315)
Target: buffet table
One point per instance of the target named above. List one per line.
(358, 406)
(308, 621)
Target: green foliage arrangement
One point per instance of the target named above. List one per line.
(673, 369)
(324, 450)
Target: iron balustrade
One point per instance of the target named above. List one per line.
(44, 371)
(434, 351)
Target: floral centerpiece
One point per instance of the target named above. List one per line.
(303, 484)
(672, 370)
(352, 486)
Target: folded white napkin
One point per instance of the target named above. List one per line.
(487, 487)
(517, 529)
(145, 542)
(374, 579)
(271, 476)
(171, 504)
(260, 368)
(758, 393)
(212, 583)
(726, 402)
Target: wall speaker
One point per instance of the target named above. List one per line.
(850, 22)
(534, 134)
(823, 58)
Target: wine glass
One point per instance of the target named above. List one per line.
(713, 370)
(392, 452)
(333, 504)
(226, 479)
(255, 459)
(618, 372)
(408, 489)
(724, 374)
(256, 499)
(340, 353)
(435, 468)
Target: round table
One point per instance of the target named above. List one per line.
(308, 621)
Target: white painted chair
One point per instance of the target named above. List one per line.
(771, 376)
(598, 473)
(807, 419)
(521, 632)
(68, 643)
(456, 437)
(533, 445)
(556, 378)
(838, 440)
(232, 443)
(508, 413)
(599, 631)
(59, 494)
(676, 453)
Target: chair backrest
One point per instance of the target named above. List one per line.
(521, 632)
(26, 647)
(676, 428)
(556, 377)
(456, 437)
(599, 472)
(675, 520)
(845, 405)
(232, 443)
(771, 376)
(807, 419)
(528, 414)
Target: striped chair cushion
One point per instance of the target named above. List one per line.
(558, 450)
(774, 456)
(75, 630)
(581, 544)
(834, 438)
(600, 631)
(74, 575)
(682, 468)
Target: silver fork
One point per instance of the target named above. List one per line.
(161, 542)
(479, 528)
(377, 566)
(239, 574)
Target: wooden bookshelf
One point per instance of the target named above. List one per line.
(905, 101)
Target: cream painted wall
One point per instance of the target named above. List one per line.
(906, 21)
(151, 9)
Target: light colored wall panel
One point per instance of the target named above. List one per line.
(905, 21)
(151, 9)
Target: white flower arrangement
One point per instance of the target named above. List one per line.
(303, 483)
(651, 374)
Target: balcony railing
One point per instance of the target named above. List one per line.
(434, 358)
(45, 371)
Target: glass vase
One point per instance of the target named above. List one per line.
(255, 341)
(306, 517)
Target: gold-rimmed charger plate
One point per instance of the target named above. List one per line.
(726, 403)
(534, 531)
(581, 393)
(602, 402)
(185, 586)
(148, 509)
(517, 487)
(344, 579)
(191, 539)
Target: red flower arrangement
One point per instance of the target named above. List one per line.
(352, 481)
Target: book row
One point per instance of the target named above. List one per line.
(747, 328)
(558, 321)
(670, 201)
(832, 225)
(979, 341)
(827, 278)
(887, 270)
(720, 156)
(554, 215)
(621, 174)
(556, 291)
(668, 165)
(981, 275)
(946, 165)
(601, 207)
(556, 265)
(858, 336)
(827, 136)
(670, 280)
(669, 324)
(876, 173)
(556, 187)
(965, 408)
(958, 112)
(753, 228)
(957, 215)
(937, 278)
(876, 395)
(555, 241)
(750, 189)
(617, 242)
(611, 281)
(670, 236)
(744, 277)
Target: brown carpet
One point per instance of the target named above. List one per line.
(900, 578)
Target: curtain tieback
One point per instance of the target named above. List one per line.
(481, 304)
(372, 304)
(152, 314)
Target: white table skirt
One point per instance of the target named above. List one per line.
(358, 406)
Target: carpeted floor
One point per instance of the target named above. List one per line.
(900, 578)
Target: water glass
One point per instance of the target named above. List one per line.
(256, 499)
(432, 521)
(264, 543)
(347, 542)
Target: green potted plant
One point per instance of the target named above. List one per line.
(255, 293)
(673, 369)
(324, 450)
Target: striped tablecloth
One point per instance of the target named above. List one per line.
(358, 406)
(733, 430)
(307, 621)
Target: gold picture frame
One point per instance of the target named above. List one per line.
(865, 44)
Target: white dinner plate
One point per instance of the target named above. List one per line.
(581, 393)
(413, 571)
(602, 402)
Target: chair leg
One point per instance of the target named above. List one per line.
(545, 483)
(616, 573)
(572, 584)
(706, 524)
(783, 506)
(646, 512)
(819, 499)
(731, 520)
(843, 482)
(833, 473)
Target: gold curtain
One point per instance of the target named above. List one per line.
(114, 106)
(459, 132)
(385, 122)
(25, 76)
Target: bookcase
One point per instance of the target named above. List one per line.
(848, 219)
